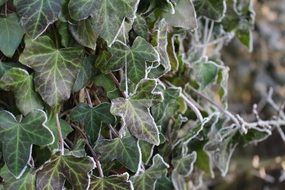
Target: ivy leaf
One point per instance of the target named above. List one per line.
(211, 9)
(146, 150)
(184, 16)
(18, 137)
(135, 112)
(146, 92)
(78, 150)
(109, 15)
(108, 84)
(92, 118)
(60, 68)
(11, 34)
(164, 183)
(205, 72)
(240, 19)
(60, 168)
(84, 32)
(65, 130)
(147, 179)
(5, 66)
(220, 147)
(21, 83)
(161, 43)
(136, 57)
(113, 182)
(85, 74)
(184, 165)
(125, 150)
(137, 118)
(37, 15)
(81, 9)
(140, 27)
(66, 38)
(26, 182)
(171, 104)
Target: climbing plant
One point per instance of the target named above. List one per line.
(119, 94)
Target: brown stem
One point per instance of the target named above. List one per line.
(94, 155)
(88, 98)
(115, 80)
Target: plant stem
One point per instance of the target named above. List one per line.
(88, 98)
(94, 155)
(193, 107)
(115, 80)
(226, 112)
(61, 141)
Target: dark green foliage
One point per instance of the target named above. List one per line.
(119, 83)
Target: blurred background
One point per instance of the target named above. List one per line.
(260, 166)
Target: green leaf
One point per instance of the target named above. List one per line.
(240, 19)
(135, 57)
(37, 15)
(84, 32)
(161, 44)
(85, 74)
(81, 9)
(211, 9)
(140, 27)
(26, 182)
(11, 34)
(21, 83)
(5, 66)
(59, 168)
(113, 182)
(65, 130)
(109, 15)
(108, 84)
(147, 179)
(246, 38)
(125, 150)
(60, 67)
(169, 107)
(164, 183)
(18, 137)
(137, 118)
(184, 165)
(78, 150)
(135, 112)
(92, 118)
(146, 150)
(147, 93)
(220, 147)
(184, 16)
(205, 72)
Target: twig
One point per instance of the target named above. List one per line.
(226, 112)
(193, 107)
(61, 141)
(94, 155)
(115, 80)
(88, 98)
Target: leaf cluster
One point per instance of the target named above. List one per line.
(100, 94)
